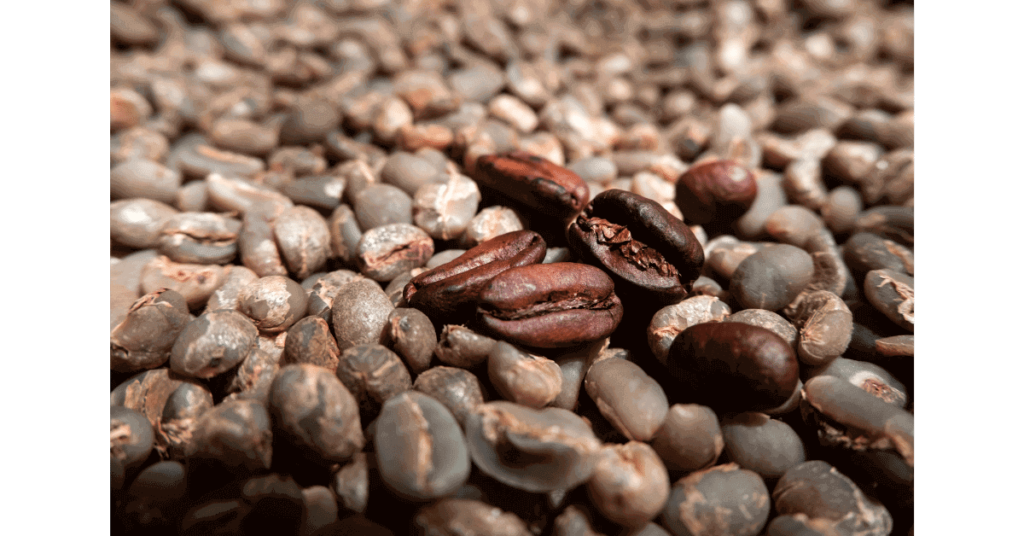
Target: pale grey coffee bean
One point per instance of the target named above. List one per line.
(454, 517)
(595, 169)
(136, 222)
(867, 376)
(193, 197)
(819, 491)
(387, 251)
(864, 252)
(201, 160)
(892, 294)
(212, 344)
(771, 278)
(351, 484)
(630, 484)
(421, 451)
(442, 257)
(574, 369)
(144, 179)
(138, 142)
(557, 254)
(690, 438)
(196, 282)
(297, 162)
(359, 313)
(770, 197)
(382, 204)
(761, 444)
(720, 500)
(303, 240)
(145, 337)
(411, 334)
(345, 234)
(459, 390)
(396, 287)
(317, 191)
(527, 379)
(462, 347)
(226, 296)
(257, 248)
(724, 254)
(826, 327)
(489, 223)
(273, 303)
(408, 172)
(243, 136)
(373, 374)
(841, 208)
(235, 434)
(671, 320)
(200, 238)
(236, 194)
(309, 121)
(321, 296)
(633, 402)
(444, 209)
(310, 341)
(794, 225)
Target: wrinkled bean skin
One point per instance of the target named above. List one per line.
(645, 248)
(534, 181)
(550, 305)
(734, 367)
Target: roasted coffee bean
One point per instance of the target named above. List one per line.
(717, 191)
(212, 344)
(534, 181)
(530, 450)
(273, 303)
(644, 247)
(310, 341)
(450, 291)
(226, 296)
(345, 234)
(144, 179)
(317, 191)
(195, 282)
(458, 389)
(421, 452)
(771, 278)
(734, 367)
(462, 347)
(444, 209)
(359, 313)
(453, 517)
(489, 223)
(350, 484)
(630, 484)
(825, 324)
(689, 438)
(131, 438)
(303, 240)
(819, 491)
(136, 223)
(382, 204)
(761, 444)
(867, 376)
(631, 400)
(235, 434)
(721, 500)
(550, 305)
(671, 320)
(768, 320)
(892, 294)
(373, 374)
(316, 413)
(385, 252)
(864, 252)
(410, 333)
(531, 380)
(180, 416)
(145, 337)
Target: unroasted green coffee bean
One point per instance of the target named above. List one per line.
(763, 445)
(273, 303)
(310, 341)
(131, 437)
(690, 438)
(303, 239)
(212, 344)
(145, 338)
(527, 379)
(630, 484)
(868, 376)
(721, 500)
(826, 326)
(892, 293)
(459, 390)
(359, 313)
(454, 517)
(411, 335)
(462, 347)
(373, 374)
(235, 434)
(818, 490)
(771, 278)
(630, 399)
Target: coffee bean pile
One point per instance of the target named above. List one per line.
(476, 267)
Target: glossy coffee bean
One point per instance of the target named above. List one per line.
(631, 400)
(819, 491)
(771, 278)
(734, 367)
(646, 249)
(534, 181)
(531, 380)
(773, 322)
(721, 500)
(630, 484)
(671, 320)
(717, 191)
(550, 305)
(761, 444)
(450, 291)
(689, 439)
(373, 374)
(212, 344)
(385, 252)
(421, 452)
(235, 434)
(459, 390)
(273, 303)
(145, 338)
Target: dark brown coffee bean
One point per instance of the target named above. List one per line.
(717, 191)
(771, 278)
(535, 451)
(864, 252)
(180, 416)
(136, 222)
(131, 437)
(235, 434)
(444, 209)
(867, 376)
(199, 237)
(382, 204)
(256, 246)
(761, 444)
(630, 484)
(462, 347)
(531, 380)
(317, 191)
(734, 367)
(550, 305)
(359, 313)
(345, 234)
(721, 500)
(385, 252)
(212, 344)
(273, 303)
(144, 179)
(351, 483)
(645, 248)
(449, 292)
(825, 324)
(145, 337)
(421, 452)
(671, 320)
(689, 439)
(310, 341)
(458, 389)
(892, 294)
(535, 182)
(630, 399)
(819, 491)
(226, 296)
(373, 374)
(303, 240)
(316, 413)
(768, 320)
(453, 517)
(410, 333)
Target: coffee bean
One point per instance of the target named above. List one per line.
(273, 303)
(243, 136)
(317, 191)
(385, 252)
(535, 182)
(212, 344)
(136, 222)
(444, 209)
(896, 346)
(768, 320)
(395, 289)
(236, 194)
(350, 483)
(825, 324)
(145, 337)
(725, 253)
(226, 296)
(345, 234)
(890, 222)
(199, 237)
(451, 517)
(180, 415)
(359, 313)
(531, 450)
(310, 341)
(689, 438)
(201, 160)
(303, 240)
(315, 413)
(462, 347)
(138, 142)
(770, 197)
(131, 438)
(819, 491)
(408, 172)
(803, 183)
(867, 376)
(841, 208)
(147, 392)
(550, 305)
(595, 169)
(793, 225)
(531, 380)
(771, 278)
(144, 179)
(574, 521)
(801, 525)
(892, 294)
(630, 484)
(234, 434)
(382, 204)
(864, 252)
(410, 333)
(717, 191)
(489, 223)
(459, 390)
(256, 246)
(421, 452)
(645, 248)
(630, 399)
(763, 445)
(321, 509)
(731, 366)
(373, 374)
(309, 121)
(721, 500)
(451, 290)
(671, 320)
